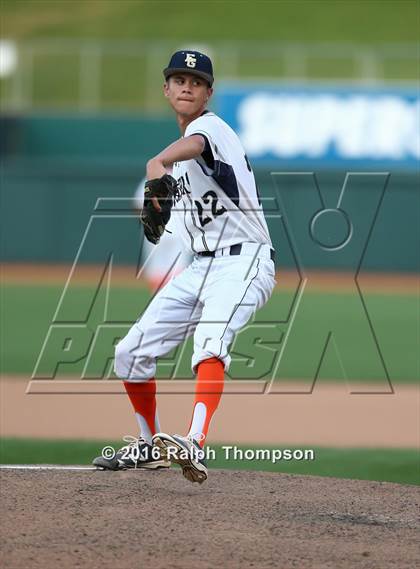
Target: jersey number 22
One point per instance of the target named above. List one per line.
(207, 198)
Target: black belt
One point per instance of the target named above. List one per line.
(234, 250)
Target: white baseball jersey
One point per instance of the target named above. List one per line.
(217, 202)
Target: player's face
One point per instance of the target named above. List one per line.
(187, 94)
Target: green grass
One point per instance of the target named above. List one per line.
(369, 21)
(391, 465)
(28, 311)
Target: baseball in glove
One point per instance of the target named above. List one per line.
(156, 212)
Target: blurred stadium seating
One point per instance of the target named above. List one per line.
(93, 75)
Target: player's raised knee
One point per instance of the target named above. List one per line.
(128, 361)
(131, 363)
(121, 361)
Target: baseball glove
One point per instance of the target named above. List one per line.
(153, 220)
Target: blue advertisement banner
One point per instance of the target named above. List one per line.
(325, 126)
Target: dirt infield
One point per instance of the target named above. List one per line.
(24, 273)
(329, 416)
(235, 520)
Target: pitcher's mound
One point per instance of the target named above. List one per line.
(136, 519)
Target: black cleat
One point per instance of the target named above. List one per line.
(137, 454)
(186, 452)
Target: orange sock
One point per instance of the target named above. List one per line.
(143, 398)
(208, 390)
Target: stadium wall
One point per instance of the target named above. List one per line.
(54, 169)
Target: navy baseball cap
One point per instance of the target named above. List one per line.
(192, 62)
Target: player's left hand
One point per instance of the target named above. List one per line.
(158, 195)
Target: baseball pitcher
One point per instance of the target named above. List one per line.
(212, 201)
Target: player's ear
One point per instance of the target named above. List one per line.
(166, 89)
(209, 92)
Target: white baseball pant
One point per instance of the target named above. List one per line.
(213, 299)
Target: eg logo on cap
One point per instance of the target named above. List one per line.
(192, 62)
(190, 59)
